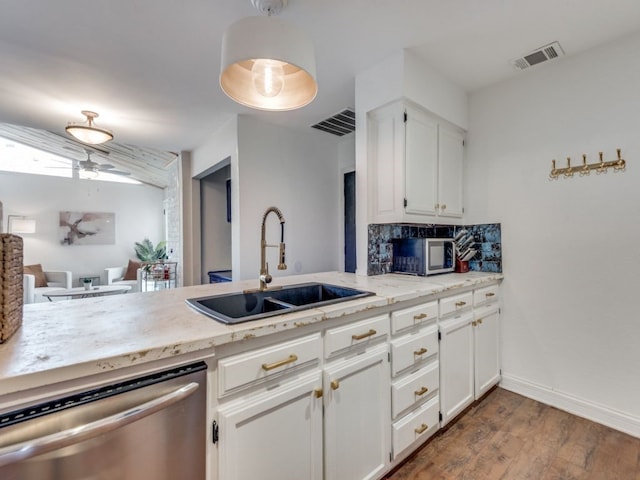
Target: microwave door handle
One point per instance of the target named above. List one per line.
(30, 448)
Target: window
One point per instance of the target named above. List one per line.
(19, 158)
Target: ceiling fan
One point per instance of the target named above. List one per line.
(89, 165)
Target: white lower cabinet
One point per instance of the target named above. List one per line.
(456, 365)
(415, 403)
(273, 435)
(486, 348)
(356, 416)
(351, 401)
(469, 350)
(419, 425)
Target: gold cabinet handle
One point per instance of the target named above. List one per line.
(443, 206)
(420, 317)
(362, 336)
(422, 391)
(270, 366)
(490, 294)
(335, 384)
(318, 392)
(460, 304)
(474, 323)
(479, 321)
(422, 351)
(421, 428)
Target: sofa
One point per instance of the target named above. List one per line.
(116, 276)
(55, 280)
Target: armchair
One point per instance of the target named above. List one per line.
(115, 276)
(56, 280)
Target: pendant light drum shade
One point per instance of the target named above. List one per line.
(268, 64)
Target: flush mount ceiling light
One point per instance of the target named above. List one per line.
(268, 64)
(88, 132)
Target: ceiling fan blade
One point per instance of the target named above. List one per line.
(117, 172)
(105, 166)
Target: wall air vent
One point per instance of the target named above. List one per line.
(542, 54)
(340, 124)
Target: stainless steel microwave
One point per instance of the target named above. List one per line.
(424, 256)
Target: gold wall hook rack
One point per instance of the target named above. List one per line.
(585, 169)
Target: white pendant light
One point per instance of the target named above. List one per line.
(89, 132)
(268, 64)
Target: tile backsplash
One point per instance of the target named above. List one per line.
(486, 236)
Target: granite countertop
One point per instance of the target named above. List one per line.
(70, 339)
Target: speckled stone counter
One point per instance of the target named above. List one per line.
(76, 338)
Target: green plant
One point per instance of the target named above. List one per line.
(147, 253)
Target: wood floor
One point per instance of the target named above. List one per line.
(507, 436)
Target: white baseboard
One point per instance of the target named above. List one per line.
(577, 406)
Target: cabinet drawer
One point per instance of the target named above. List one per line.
(413, 388)
(484, 295)
(413, 349)
(409, 317)
(418, 425)
(254, 366)
(455, 303)
(356, 334)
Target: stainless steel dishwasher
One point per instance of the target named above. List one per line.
(151, 427)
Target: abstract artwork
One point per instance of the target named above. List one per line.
(87, 228)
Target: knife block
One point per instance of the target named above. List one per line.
(461, 267)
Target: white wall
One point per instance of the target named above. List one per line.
(429, 88)
(297, 172)
(572, 267)
(138, 213)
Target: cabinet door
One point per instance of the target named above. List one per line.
(421, 163)
(487, 353)
(456, 366)
(385, 162)
(450, 158)
(273, 435)
(357, 416)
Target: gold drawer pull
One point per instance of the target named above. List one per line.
(335, 384)
(422, 391)
(420, 317)
(479, 321)
(420, 352)
(490, 294)
(318, 393)
(270, 366)
(370, 333)
(474, 323)
(460, 304)
(421, 428)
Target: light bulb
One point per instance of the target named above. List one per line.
(268, 76)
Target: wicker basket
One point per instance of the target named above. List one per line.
(10, 285)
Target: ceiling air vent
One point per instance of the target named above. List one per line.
(542, 54)
(340, 124)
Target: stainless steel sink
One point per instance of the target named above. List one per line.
(241, 307)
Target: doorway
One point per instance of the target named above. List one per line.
(215, 221)
(350, 222)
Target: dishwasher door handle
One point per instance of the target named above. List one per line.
(30, 448)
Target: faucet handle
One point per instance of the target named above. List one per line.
(265, 277)
(281, 264)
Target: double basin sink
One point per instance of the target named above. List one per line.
(241, 307)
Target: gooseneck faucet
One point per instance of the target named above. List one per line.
(265, 278)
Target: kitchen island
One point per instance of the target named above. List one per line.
(65, 340)
(358, 385)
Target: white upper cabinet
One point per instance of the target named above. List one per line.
(414, 165)
(420, 163)
(450, 156)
